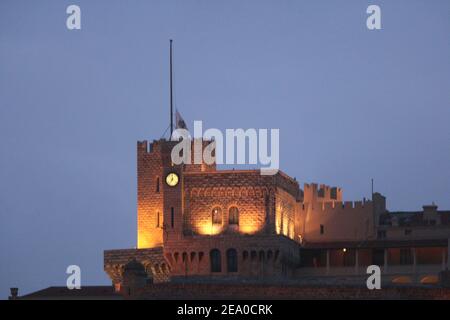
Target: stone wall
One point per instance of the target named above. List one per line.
(274, 292)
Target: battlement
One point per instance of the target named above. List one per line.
(155, 146)
(162, 149)
(335, 206)
(167, 145)
(344, 205)
(313, 193)
(143, 146)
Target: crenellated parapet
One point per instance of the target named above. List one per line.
(323, 193)
(342, 205)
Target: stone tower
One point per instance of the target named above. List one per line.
(159, 206)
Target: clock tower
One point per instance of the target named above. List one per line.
(160, 192)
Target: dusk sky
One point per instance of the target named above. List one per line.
(351, 104)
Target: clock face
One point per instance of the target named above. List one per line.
(172, 179)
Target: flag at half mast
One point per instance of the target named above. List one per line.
(179, 121)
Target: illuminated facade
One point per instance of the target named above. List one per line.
(196, 223)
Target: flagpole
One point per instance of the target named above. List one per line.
(171, 93)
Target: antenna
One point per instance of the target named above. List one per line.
(171, 92)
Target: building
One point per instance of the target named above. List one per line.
(196, 223)
(63, 293)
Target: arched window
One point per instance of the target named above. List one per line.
(261, 255)
(232, 261)
(157, 184)
(216, 261)
(233, 213)
(216, 215)
(245, 255)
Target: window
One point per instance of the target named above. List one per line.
(217, 215)
(245, 255)
(216, 261)
(233, 216)
(172, 217)
(261, 256)
(322, 229)
(349, 257)
(406, 256)
(381, 234)
(157, 184)
(158, 219)
(408, 232)
(378, 257)
(232, 263)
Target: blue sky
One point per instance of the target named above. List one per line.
(351, 105)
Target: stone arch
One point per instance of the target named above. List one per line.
(232, 260)
(277, 255)
(216, 215)
(233, 215)
(261, 256)
(215, 260)
(115, 272)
